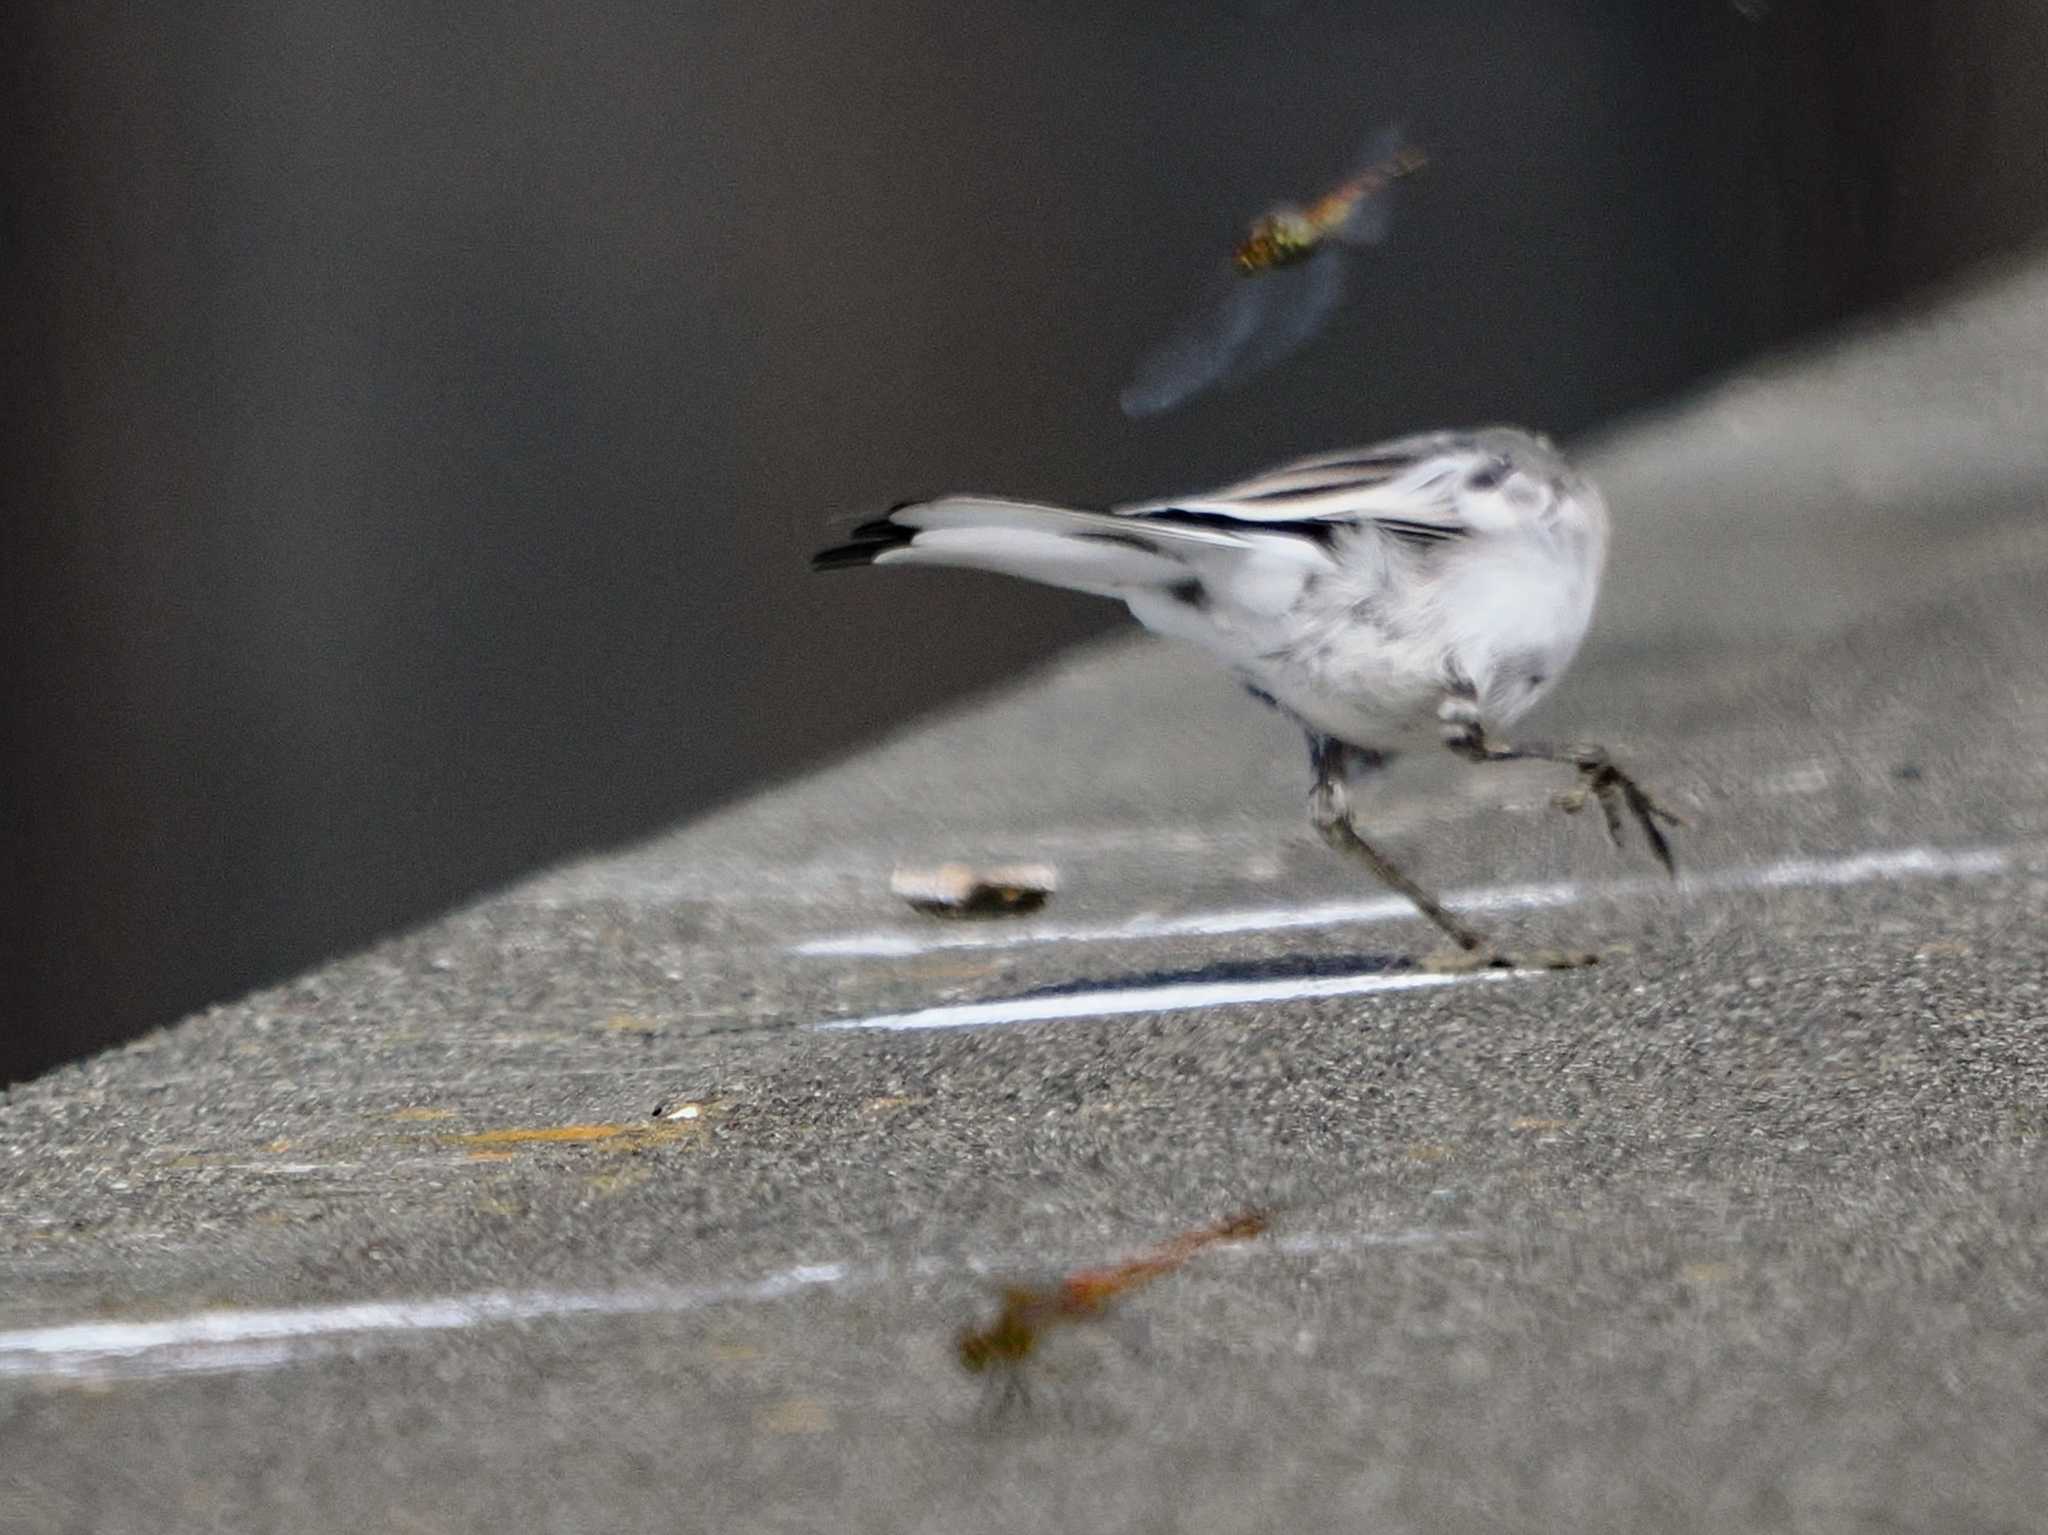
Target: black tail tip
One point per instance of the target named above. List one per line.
(870, 540)
(846, 556)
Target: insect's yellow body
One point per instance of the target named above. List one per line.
(1289, 234)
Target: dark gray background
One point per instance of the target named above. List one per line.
(416, 420)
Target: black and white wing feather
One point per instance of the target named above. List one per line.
(1430, 488)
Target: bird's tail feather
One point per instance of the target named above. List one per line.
(1055, 545)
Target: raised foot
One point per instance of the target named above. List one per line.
(1466, 961)
(1618, 794)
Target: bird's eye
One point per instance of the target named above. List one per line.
(1487, 475)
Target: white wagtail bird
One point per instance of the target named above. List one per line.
(1431, 588)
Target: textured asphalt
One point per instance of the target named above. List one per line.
(1745, 1228)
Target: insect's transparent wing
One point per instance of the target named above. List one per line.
(1370, 220)
(1374, 215)
(1301, 301)
(1201, 349)
(1257, 323)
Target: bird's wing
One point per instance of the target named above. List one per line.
(1428, 488)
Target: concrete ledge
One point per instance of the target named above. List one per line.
(1742, 1229)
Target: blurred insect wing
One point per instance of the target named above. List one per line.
(1370, 219)
(1200, 350)
(1384, 160)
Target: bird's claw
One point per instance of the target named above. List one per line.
(1620, 796)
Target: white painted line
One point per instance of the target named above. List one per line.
(1110, 1001)
(1790, 873)
(215, 1342)
(237, 1339)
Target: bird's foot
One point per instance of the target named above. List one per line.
(1619, 796)
(1455, 961)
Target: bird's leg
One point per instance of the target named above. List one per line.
(1329, 809)
(1600, 779)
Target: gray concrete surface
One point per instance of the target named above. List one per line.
(1741, 1230)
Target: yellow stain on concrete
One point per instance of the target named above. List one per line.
(613, 1137)
(795, 1415)
(631, 1023)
